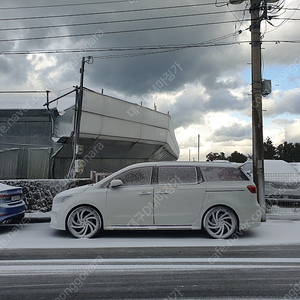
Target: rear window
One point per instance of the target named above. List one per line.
(222, 174)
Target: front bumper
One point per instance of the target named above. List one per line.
(58, 217)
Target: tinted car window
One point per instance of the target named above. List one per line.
(182, 175)
(222, 174)
(139, 176)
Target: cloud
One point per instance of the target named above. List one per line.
(235, 135)
(281, 102)
(233, 132)
(203, 93)
(292, 131)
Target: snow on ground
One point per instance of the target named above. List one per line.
(40, 235)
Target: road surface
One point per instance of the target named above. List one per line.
(262, 272)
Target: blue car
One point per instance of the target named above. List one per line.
(12, 206)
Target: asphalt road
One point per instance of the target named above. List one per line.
(264, 272)
(273, 251)
(221, 283)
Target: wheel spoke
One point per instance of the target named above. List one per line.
(228, 227)
(212, 223)
(91, 227)
(218, 231)
(81, 215)
(221, 231)
(228, 223)
(77, 226)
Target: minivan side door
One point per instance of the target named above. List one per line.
(178, 195)
(131, 204)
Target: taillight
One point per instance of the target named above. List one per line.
(11, 195)
(4, 196)
(252, 189)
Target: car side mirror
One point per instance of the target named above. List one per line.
(116, 183)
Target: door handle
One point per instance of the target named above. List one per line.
(145, 193)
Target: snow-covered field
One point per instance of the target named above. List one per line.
(40, 235)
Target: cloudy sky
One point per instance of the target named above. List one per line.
(189, 58)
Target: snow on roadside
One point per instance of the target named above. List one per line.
(40, 235)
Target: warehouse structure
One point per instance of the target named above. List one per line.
(39, 143)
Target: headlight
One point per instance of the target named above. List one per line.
(61, 199)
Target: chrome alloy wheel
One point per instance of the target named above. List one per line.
(220, 222)
(84, 222)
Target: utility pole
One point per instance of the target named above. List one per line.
(78, 111)
(257, 119)
(78, 107)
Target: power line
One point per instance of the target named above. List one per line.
(170, 47)
(127, 55)
(286, 19)
(210, 43)
(117, 21)
(64, 5)
(73, 4)
(116, 32)
(21, 92)
(105, 12)
(289, 8)
(89, 50)
(238, 20)
(120, 49)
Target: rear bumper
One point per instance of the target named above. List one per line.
(9, 213)
(250, 224)
(250, 217)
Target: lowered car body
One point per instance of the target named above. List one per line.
(161, 195)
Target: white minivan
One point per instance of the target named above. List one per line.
(161, 195)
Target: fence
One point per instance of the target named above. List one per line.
(282, 192)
